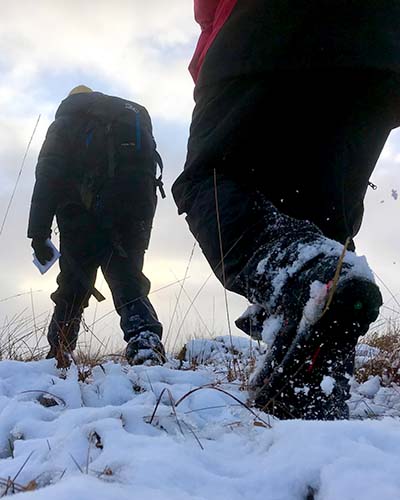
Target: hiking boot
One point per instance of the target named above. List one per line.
(145, 348)
(306, 371)
(62, 337)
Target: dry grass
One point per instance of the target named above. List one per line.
(22, 338)
(385, 362)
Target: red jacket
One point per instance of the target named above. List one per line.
(211, 15)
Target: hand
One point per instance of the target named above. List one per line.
(42, 251)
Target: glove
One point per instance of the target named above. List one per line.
(42, 251)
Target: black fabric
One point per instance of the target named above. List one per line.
(55, 179)
(63, 169)
(92, 249)
(262, 36)
(139, 316)
(250, 229)
(136, 201)
(62, 335)
(305, 142)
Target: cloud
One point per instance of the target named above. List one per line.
(139, 48)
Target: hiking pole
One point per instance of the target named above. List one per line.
(19, 175)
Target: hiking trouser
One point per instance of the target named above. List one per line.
(85, 247)
(303, 144)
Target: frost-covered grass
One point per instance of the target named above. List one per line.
(184, 431)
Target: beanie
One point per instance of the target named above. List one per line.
(80, 89)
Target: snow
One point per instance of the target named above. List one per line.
(251, 310)
(327, 384)
(370, 387)
(365, 353)
(327, 247)
(305, 252)
(271, 327)
(305, 389)
(179, 431)
(314, 307)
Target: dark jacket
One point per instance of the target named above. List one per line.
(58, 171)
(268, 35)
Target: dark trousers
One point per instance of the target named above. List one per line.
(85, 246)
(282, 155)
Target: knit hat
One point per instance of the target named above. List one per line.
(80, 89)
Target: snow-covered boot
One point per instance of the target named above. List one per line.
(145, 348)
(318, 312)
(62, 337)
(142, 332)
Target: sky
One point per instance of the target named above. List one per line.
(140, 51)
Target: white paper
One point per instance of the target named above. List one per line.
(45, 267)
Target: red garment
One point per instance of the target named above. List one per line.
(211, 15)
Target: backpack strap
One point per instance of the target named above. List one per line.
(110, 151)
(159, 182)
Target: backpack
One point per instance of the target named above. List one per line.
(117, 159)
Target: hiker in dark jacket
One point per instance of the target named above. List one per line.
(96, 173)
(294, 103)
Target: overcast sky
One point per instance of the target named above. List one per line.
(140, 51)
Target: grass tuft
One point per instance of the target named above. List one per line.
(384, 359)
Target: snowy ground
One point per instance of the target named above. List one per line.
(106, 438)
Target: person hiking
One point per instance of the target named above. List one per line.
(293, 104)
(96, 173)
